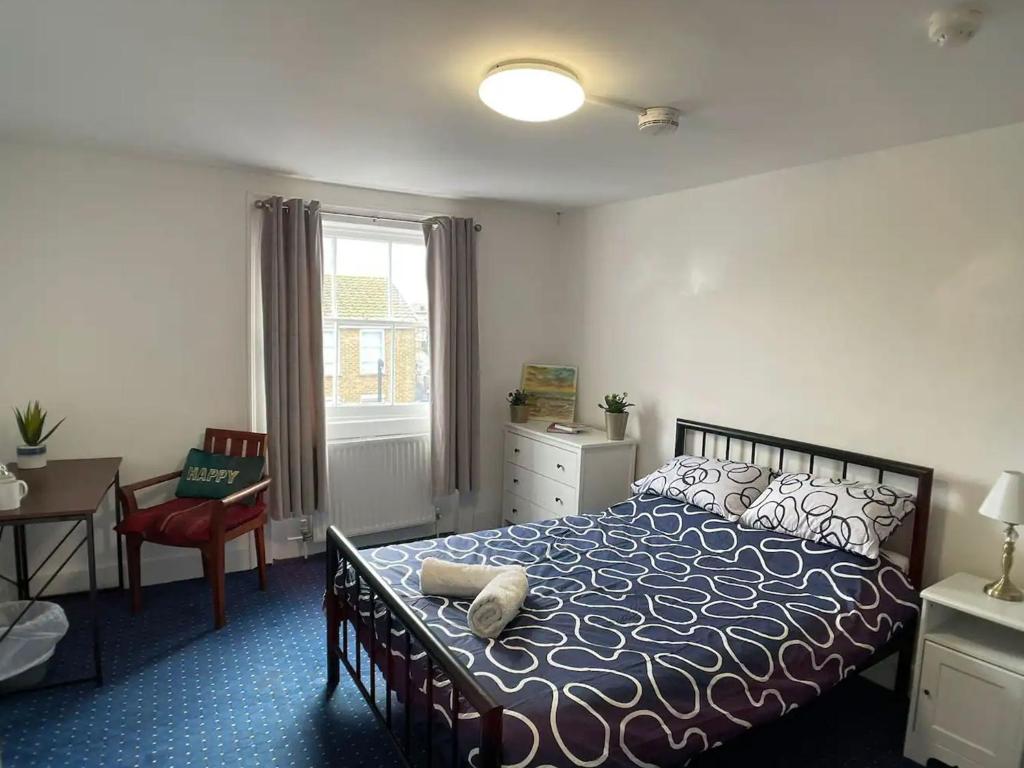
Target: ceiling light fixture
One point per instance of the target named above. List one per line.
(532, 91)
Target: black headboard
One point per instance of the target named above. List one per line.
(741, 445)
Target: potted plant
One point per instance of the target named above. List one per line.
(32, 454)
(615, 415)
(519, 406)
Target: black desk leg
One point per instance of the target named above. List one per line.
(117, 519)
(93, 602)
(21, 562)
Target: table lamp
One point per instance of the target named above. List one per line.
(1005, 502)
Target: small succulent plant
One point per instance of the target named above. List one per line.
(614, 403)
(31, 422)
(518, 397)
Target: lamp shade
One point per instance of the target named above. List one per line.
(1006, 499)
(532, 91)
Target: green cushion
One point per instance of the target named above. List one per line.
(214, 475)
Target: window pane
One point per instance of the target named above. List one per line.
(330, 361)
(364, 374)
(409, 282)
(412, 365)
(328, 303)
(371, 282)
(361, 278)
(330, 350)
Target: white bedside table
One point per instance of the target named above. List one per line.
(967, 701)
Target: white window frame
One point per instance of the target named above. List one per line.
(367, 420)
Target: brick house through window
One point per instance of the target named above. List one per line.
(376, 340)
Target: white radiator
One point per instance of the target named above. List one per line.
(380, 484)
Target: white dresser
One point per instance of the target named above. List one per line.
(967, 701)
(549, 475)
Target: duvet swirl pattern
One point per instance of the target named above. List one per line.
(655, 630)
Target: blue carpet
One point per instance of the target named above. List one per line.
(179, 694)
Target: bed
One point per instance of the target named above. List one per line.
(654, 630)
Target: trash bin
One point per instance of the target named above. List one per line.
(25, 653)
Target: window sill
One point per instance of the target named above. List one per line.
(356, 429)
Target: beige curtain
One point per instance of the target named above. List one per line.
(454, 355)
(291, 254)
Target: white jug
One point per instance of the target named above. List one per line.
(12, 490)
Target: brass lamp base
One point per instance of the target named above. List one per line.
(1004, 589)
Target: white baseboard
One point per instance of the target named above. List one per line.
(428, 531)
(280, 547)
(159, 566)
(286, 550)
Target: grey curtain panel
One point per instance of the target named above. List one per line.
(292, 261)
(454, 355)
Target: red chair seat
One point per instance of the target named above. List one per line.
(183, 522)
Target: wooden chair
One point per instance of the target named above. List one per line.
(203, 524)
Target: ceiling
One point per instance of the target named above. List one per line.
(382, 93)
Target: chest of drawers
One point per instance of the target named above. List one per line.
(548, 476)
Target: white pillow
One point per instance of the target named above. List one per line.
(845, 514)
(726, 488)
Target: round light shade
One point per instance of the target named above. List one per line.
(531, 91)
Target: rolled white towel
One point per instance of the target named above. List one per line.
(498, 603)
(441, 577)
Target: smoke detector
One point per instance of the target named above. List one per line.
(953, 27)
(655, 121)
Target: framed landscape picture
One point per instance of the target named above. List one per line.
(552, 391)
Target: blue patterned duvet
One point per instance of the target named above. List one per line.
(655, 630)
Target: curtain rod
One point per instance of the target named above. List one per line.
(263, 204)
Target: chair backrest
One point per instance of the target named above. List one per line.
(231, 442)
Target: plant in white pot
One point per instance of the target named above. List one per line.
(518, 406)
(616, 415)
(32, 453)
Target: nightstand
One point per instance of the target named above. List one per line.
(549, 475)
(967, 700)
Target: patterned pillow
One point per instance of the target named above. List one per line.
(726, 488)
(845, 514)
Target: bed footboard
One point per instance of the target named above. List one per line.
(375, 634)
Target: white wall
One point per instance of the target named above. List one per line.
(870, 303)
(123, 306)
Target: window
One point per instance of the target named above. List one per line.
(371, 351)
(376, 339)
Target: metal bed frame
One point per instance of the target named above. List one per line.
(352, 616)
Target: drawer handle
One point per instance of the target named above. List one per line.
(559, 500)
(559, 466)
(515, 450)
(515, 480)
(515, 511)
(926, 692)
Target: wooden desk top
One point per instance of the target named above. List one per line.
(62, 488)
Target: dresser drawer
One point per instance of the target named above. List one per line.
(555, 497)
(517, 510)
(548, 460)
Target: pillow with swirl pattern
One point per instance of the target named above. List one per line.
(845, 514)
(724, 487)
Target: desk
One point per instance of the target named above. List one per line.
(62, 491)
